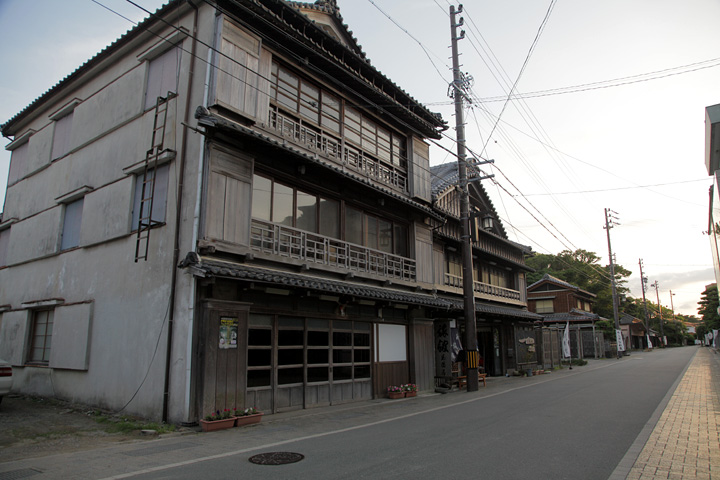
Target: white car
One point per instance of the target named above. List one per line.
(5, 378)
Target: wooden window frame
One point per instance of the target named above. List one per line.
(45, 339)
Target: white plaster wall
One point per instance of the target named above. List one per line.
(128, 322)
(34, 237)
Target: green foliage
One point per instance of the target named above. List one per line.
(708, 307)
(127, 425)
(607, 327)
(582, 269)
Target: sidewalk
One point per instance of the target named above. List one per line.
(685, 442)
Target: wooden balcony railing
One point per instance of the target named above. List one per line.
(342, 154)
(483, 288)
(274, 239)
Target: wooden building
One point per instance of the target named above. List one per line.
(230, 207)
(502, 316)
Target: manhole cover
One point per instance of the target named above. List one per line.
(276, 458)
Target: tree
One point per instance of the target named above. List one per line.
(708, 310)
(582, 269)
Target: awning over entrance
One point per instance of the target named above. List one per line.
(207, 267)
(213, 267)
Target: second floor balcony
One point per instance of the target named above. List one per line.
(485, 290)
(333, 254)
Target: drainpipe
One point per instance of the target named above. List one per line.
(178, 219)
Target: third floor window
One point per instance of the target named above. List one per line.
(321, 109)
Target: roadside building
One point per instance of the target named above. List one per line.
(230, 207)
(561, 304)
(503, 320)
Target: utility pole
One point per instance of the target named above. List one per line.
(643, 282)
(471, 349)
(610, 222)
(672, 307)
(662, 333)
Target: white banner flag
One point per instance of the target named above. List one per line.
(649, 342)
(619, 339)
(566, 341)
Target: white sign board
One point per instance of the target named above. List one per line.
(619, 339)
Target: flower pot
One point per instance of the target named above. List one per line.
(212, 425)
(410, 394)
(394, 395)
(248, 419)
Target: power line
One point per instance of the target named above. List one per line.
(522, 69)
(615, 189)
(617, 82)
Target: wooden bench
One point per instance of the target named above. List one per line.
(462, 380)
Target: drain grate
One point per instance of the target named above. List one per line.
(276, 458)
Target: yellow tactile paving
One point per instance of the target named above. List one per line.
(685, 443)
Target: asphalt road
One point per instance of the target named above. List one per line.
(572, 425)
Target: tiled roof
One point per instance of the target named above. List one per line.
(549, 278)
(574, 316)
(432, 119)
(208, 266)
(445, 176)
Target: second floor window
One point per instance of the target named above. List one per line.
(285, 205)
(71, 225)
(544, 306)
(497, 276)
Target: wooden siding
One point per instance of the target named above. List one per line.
(389, 373)
(422, 355)
(223, 370)
(424, 253)
(420, 187)
(229, 195)
(238, 83)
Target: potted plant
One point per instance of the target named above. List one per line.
(394, 392)
(249, 416)
(410, 389)
(218, 420)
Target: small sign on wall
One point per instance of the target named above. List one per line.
(228, 332)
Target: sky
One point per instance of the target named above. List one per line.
(607, 112)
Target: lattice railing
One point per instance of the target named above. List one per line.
(274, 239)
(483, 288)
(329, 146)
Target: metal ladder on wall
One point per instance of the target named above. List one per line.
(147, 195)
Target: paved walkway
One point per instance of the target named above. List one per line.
(685, 442)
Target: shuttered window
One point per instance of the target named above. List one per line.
(61, 136)
(71, 224)
(18, 163)
(162, 76)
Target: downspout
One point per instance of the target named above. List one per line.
(195, 235)
(178, 219)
